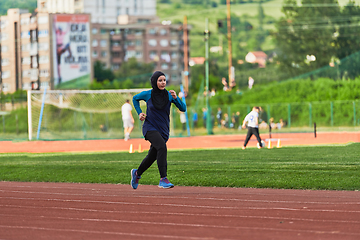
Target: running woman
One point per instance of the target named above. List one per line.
(156, 126)
(252, 120)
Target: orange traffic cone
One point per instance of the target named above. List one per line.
(131, 150)
(278, 144)
(140, 149)
(269, 144)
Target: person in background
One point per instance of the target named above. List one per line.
(128, 120)
(252, 121)
(156, 126)
(195, 118)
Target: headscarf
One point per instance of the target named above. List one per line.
(159, 98)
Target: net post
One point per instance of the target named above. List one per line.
(29, 115)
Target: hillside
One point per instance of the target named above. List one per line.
(24, 4)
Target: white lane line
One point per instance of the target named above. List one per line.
(261, 192)
(205, 226)
(182, 205)
(106, 232)
(184, 214)
(192, 198)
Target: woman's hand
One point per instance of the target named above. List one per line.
(173, 94)
(142, 116)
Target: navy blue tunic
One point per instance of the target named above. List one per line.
(156, 120)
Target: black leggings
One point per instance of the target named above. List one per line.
(250, 132)
(157, 151)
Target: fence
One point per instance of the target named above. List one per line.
(71, 124)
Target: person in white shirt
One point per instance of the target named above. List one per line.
(128, 120)
(252, 120)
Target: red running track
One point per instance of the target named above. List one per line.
(212, 141)
(105, 211)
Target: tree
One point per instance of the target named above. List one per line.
(101, 73)
(139, 73)
(305, 36)
(347, 40)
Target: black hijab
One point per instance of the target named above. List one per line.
(159, 98)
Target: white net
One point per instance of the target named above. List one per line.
(79, 114)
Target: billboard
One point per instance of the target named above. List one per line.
(71, 51)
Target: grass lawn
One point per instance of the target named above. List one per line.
(325, 167)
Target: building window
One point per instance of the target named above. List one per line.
(152, 42)
(3, 36)
(26, 73)
(165, 56)
(174, 66)
(4, 23)
(43, 59)
(32, 19)
(164, 43)
(173, 42)
(5, 74)
(103, 53)
(116, 54)
(43, 33)
(5, 62)
(6, 87)
(130, 54)
(115, 66)
(44, 73)
(174, 54)
(25, 47)
(43, 46)
(94, 31)
(94, 43)
(25, 60)
(25, 34)
(152, 31)
(103, 43)
(103, 31)
(24, 21)
(116, 43)
(138, 42)
(26, 86)
(139, 54)
(163, 31)
(138, 32)
(164, 66)
(44, 85)
(43, 19)
(34, 63)
(4, 48)
(94, 53)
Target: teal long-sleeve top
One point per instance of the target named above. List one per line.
(156, 120)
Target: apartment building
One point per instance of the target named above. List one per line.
(25, 49)
(102, 11)
(43, 49)
(161, 44)
(31, 52)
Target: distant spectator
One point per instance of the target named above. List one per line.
(236, 120)
(219, 116)
(195, 118)
(272, 124)
(251, 82)
(263, 125)
(183, 120)
(204, 116)
(225, 121)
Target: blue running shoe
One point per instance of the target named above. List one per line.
(134, 179)
(164, 183)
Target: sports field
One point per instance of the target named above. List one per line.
(298, 191)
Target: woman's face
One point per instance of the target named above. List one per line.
(161, 82)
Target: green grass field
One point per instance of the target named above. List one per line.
(317, 167)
